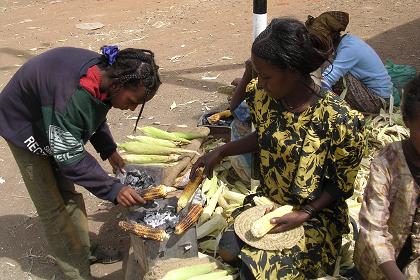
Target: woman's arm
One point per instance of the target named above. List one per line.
(239, 94)
(248, 144)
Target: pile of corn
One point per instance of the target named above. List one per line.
(158, 147)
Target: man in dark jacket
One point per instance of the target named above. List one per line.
(51, 107)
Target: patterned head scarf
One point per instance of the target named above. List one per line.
(327, 25)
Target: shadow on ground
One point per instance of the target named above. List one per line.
(400, 44)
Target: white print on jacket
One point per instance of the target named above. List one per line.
(63, 145)
(34, 147)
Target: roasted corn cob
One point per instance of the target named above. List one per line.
(218, 116)
(192, 217)
(152, 193)
(190, 189)
(144, 231)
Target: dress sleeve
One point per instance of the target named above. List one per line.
(250, 92)
(103, 142)
(374, 214)
(346, 153)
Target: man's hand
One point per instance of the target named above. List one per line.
(128, 197)
(116, 162)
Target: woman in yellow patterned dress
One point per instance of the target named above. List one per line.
(309, 144)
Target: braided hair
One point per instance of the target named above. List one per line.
(411, 100)
(132, 68)
(287, 44)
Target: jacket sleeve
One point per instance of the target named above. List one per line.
(103, 142)
(66, 132)
(345, 60)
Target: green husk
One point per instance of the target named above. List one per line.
(210, 276)
(154, 141)
(184, 273)
(162, 134)
(198, 133)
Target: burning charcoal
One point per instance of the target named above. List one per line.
(161, 219)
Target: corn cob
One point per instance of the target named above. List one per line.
(187, 272)
(140, 148)
(152, 193)
(263, 225)
(218, 116)
(234, 196)
(262, 200)
(162, 134)
(153, 141)
(211, 204)
(190, 189)
(147, 159)
(192, 217)
(210, 276)
(217, 222)
(208, 245)
(199, 132)
(144, 231)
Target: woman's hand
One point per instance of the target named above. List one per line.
(128, 197)
(116, 162)
(289, 221)
(208, 161)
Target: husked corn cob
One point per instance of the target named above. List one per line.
(190, 189)
(218, 116)
(192, 217)
(263, 225)
(152, 193)
(144, 231)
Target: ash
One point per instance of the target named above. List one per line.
(163, 219)
(138, 180)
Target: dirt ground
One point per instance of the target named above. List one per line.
(192, 39)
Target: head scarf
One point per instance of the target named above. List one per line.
(327, 25)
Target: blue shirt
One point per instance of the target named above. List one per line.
(356, 57)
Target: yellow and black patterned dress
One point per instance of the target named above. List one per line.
(302, 155)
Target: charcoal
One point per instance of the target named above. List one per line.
(161, 219)
(138, 180)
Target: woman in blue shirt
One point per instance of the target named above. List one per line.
(356, 72)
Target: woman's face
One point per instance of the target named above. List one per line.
(277, 83)
(128, 98)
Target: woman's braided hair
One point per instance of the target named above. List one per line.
(287, 44)
(411, 100)
(132, 68)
